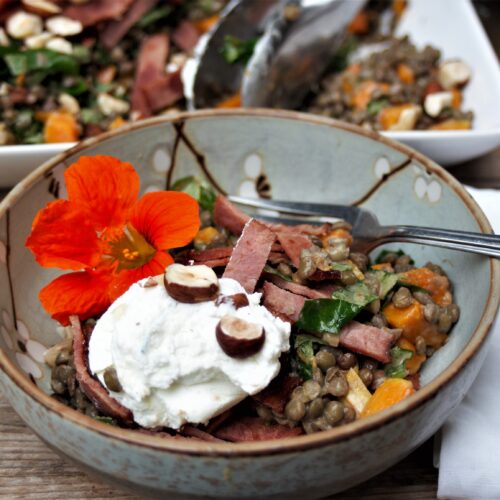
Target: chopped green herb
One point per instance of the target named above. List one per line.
(43, 61)
(106, 420)
(235, 50)
(326, 315)
(375, 105)
(397, 368)
(386, 279)
(78, 87)
(89, 115)
(154, 15)
(340, 60)
(358, 294)
(199, 189)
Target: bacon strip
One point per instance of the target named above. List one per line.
(367, 340)
(309, 293)
(185, 36)
(293, 244)
(250, 255)
(164, 90)
(116, 30)
(254, 429)
(285, 305)
(89, 385)
(233, 219)
(96, 11)
(194, 432)
(151, 62)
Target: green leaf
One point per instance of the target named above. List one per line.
(41, 60)
(326, 315)
(375, 105)
(199, 189)
(386, 279)
(89, 115)
(236, 50)
(341, 266)
(340, 60)
(396, 368)
(358, 294)
(78, 88)
(154, 15)
(81, 53)
(106, 420)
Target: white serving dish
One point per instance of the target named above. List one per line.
(454, 27)
(450, 25)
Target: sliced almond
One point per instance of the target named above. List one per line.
(453, 74)
(239, 338)
(63, 26)
(191, 284)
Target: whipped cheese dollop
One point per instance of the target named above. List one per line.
(167, 358)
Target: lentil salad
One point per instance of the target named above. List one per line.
(361, 328)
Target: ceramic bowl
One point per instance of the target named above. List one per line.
(290, 156)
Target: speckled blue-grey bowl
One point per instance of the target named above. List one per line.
(290, 156)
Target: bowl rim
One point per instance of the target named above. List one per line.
(286, 445)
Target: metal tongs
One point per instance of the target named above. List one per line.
(296, 41)
(366, 229)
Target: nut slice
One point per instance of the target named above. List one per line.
(239, 338)
(191, 284)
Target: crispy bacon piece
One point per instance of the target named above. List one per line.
(309, 293)
(281, 303)
(250, 255)
(233, 219)
(151, 62)
(367, 340)
(320, 275)
(277, 393)
(92, 388)
(414, 378)
(293, 244)
(96, 11)
(164, 90)
(185, 36)
(194, 432)
(116, 30)
(254, 429)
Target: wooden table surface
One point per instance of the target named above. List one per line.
(29, 470)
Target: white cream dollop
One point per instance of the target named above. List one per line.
(167, 358)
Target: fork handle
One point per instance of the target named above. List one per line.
(486, 244)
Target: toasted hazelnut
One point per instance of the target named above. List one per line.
(63, 26)
(191, 284)
(6, 136)
(407, 119)
(110, 105)
(41, 7)
(59, 44)
(237, 300)
(239, 338)
(436, 102)
(38, 41)
(69, 103)
(22, 25)
(453, 74)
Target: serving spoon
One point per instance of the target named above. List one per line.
(296, 42)
(367, 232)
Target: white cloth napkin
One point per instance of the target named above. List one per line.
(469, 463)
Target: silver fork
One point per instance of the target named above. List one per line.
(366, 229)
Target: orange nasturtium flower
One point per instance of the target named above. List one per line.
(108, 237)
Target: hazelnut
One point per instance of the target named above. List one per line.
(239, 338)
(436, 102)
(22, 25)
(59, 44)
(407, 119)
(63, 26)
(110, 105)
(453, 74)
(191, 284)
(41, 7)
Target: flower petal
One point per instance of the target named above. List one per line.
(166, 219)
(123, 280)
(84, 294)
(103, 187)
(63, 237)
